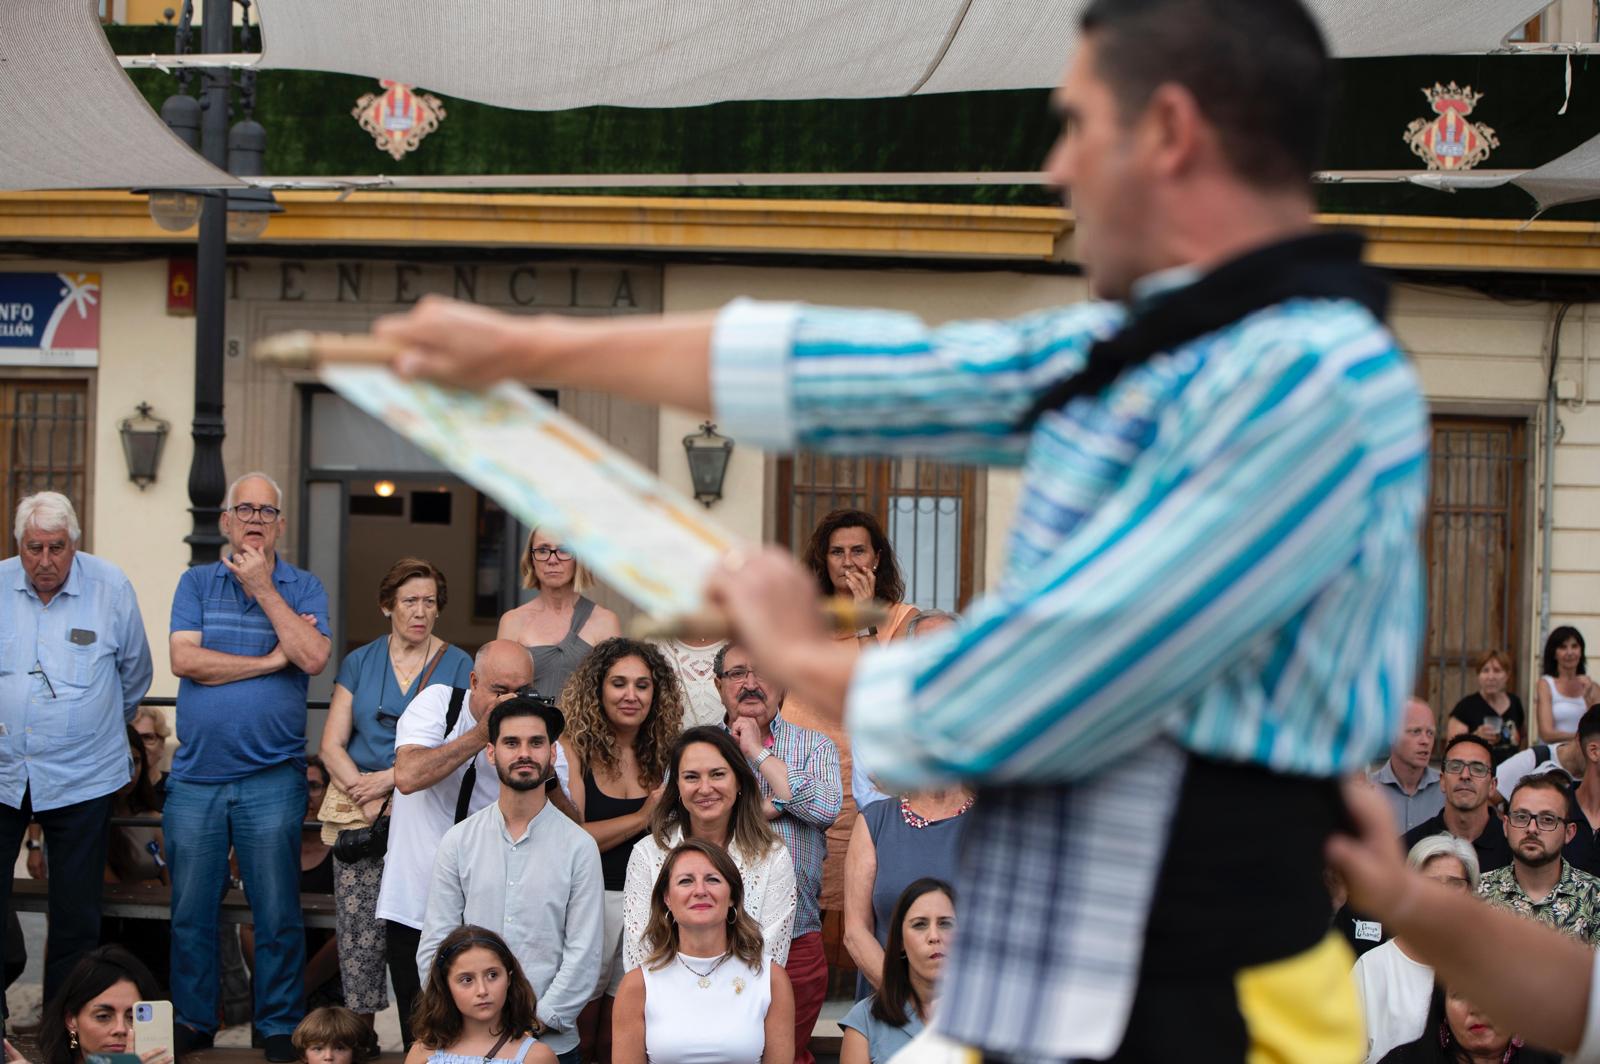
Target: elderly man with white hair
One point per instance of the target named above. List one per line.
(74, 664)
(248, 632)
(1396, 987)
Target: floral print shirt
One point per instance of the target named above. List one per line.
(1573, 906)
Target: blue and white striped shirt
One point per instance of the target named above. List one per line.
(1221, 548)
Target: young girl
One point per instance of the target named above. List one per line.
(477, 1005)
(331, 1035)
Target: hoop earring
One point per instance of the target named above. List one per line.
(733, 916)
(670, 918)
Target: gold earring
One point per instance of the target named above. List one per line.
(72, 1038)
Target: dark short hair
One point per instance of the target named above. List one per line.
(1589, 723)
(315, 763)
(410, 569)
(888, 585)
(95, 973)
(1557, 637)
(1545, 781)
(1257, 69)
(527, 705)
(1469, 739)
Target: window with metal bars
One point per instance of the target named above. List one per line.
(928, 509)
(44, 443)
(1473, 544)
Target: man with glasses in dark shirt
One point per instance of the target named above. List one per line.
(1467, 779)
(1540, 883)
(248, 632)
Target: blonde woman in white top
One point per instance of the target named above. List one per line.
(712, 795)
(706, 994)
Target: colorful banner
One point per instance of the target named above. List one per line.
(50, 319)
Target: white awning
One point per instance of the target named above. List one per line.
(69, 116)
(555, 54)
(1570, 178)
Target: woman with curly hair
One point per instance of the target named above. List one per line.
(476, 1006)
(624, 711)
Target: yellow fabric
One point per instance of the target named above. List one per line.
(1304, 1009)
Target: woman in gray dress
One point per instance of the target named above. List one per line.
(559, 626)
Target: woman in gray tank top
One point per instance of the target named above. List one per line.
(559, 626)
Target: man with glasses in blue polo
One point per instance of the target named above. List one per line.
(1539, 882)
(248, 632)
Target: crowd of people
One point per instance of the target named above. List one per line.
(550, 839)
(1515, 827)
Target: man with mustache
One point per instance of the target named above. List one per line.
(1539, 882)
(801, 793)
(1467, 779)
(524, 869)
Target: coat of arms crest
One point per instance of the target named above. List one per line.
(1450, 141)
(398, 117)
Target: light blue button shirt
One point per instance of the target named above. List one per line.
(72, 673)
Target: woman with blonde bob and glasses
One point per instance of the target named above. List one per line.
(705, 993)
(559, 625)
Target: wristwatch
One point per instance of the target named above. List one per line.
(761, 758)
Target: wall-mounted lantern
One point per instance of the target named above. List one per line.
(142, 438)
(708, 454)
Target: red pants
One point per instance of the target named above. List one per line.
(808, 975)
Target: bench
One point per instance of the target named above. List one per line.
(152, 901)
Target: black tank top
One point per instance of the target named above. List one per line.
(597, 806)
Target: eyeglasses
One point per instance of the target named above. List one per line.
(38, 670)
(1456, 766)
(542, 554)
(265, 514)
(740, 673)
(152, 739)
(1546, 821)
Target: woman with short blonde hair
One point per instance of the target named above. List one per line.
(559, 625)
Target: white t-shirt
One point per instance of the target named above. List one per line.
(1527, 763)
(1395, 993)
(419, 820)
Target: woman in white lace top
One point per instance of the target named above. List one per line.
(712, 795)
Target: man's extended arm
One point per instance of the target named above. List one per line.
(133, 653)
(416, 768)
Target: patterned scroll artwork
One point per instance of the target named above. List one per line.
(644, 539)
(398, 117)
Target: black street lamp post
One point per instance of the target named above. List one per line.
(207, 480)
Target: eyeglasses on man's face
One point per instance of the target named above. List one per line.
(1521, 818)
(739, 674)
(1455, 766)
(544, 554)
(265, 514)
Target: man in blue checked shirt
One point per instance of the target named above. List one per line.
(74, 663)
(1212, 601)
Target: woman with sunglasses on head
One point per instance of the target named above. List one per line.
(477, 1006)
(705, 993)
(559, 626)
(376, 683)
(712, 795)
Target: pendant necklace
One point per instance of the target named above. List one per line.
(704, 982)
